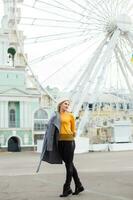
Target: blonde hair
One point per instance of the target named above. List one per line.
(60, 103)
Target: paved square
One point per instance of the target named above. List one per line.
(105, 175)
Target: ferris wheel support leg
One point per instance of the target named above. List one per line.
(130, 38)
(92, 63)
(105, 60)
(87, 73)
(83, 121)
(123, 72)
(91, 71)
(103, 64)
(124, 60)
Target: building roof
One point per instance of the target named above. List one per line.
(110, 98)
(18, 92)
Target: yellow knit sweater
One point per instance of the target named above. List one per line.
(67, 128)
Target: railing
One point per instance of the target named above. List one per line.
(14, 124)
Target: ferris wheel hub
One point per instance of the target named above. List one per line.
(124, 22)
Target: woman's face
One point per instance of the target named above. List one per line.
(64, 106)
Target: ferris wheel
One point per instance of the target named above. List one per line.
(81, 46)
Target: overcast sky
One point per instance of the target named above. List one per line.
(64, 38)
(48, 66)
(59, 69)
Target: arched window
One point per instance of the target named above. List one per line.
(40, 120)
(12, 118)
(14, 114)
(40, 114)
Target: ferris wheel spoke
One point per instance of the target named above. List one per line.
(38, 40)
(64, 7)
(92, 63)
(124, 61)
(65, 65)
(122, 5)
(35, 21)
(84, 9)
(104, 7)
(53, 5)
(53, 26)
(61, 4)
(115, 8)
(70, 61)
(61, 8)
(93, 15)
(101, 21)
(51, 20)
(129, 10)
(130, 38)
(93, 6)
(126, 5)
(97, 9)
(95, 20)
(123, 72)
(53, 39)
(125, 56)
(82, 15)
(55, 36)
(73, 81)
(85, 77)
(111, 5)
(34, 3)
(119, 81)
(61, 50)
(90, 30)
(48, 11)
(126, 47)
(77, 3)
(106, 57)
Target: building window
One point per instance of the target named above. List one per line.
(14, 114)
(12, 118)
(38, 137)
(40, 120)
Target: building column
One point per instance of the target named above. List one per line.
(4, 114)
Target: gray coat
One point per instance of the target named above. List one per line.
(50, 151)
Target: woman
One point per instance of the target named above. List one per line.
(59, 145)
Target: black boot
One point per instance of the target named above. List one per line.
(78, 185)
(78, 189)
(66, 191)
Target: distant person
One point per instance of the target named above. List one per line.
(59, 145)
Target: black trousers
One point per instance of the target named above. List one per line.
(66, 150)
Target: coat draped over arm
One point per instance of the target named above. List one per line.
(50, 151)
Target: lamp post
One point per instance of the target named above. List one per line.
(11, 51)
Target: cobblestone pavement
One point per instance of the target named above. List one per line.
(105, 175)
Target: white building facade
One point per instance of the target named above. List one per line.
(22, 119)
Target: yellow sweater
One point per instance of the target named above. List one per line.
(67, 128)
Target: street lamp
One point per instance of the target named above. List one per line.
(11, 51)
